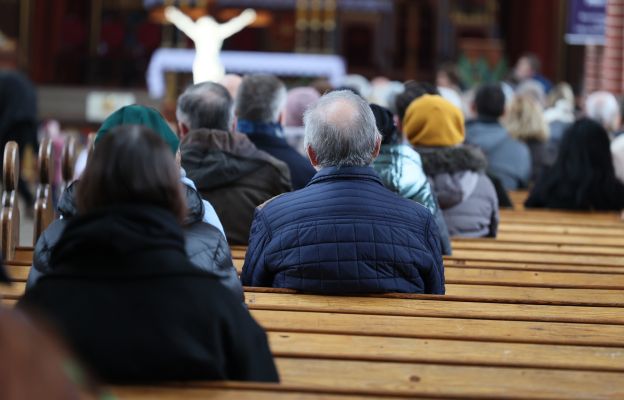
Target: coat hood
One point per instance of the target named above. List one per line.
(453, 172)
(194, 206)
(452, 159)
(117, 233)
(214, 158)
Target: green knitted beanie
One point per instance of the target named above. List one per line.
(140, 115)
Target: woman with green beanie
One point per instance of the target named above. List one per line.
(203, 230)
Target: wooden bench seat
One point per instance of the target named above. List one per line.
(563, 215)
(23, 253)
(566, 333)
(555, 229)
(542, 248)
(480, 292)
(506, 255)
(485, 276)
(239, 391)
(453, 352)
(429, 306)
(568, 239)
(413, 379)
(530, 266)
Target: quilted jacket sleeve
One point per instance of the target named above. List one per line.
(255, 271)
(434, 281)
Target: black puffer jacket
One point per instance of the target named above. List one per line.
(205, 245)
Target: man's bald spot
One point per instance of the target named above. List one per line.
(339, 113)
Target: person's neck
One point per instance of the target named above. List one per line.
(263, 128)
(487, 119)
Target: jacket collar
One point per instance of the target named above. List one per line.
(345, 173)
(483, 119)
(260, 128)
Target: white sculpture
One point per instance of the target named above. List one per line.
(208, 36)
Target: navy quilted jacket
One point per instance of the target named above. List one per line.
(344, 233)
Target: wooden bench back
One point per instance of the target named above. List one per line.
(10, 215)
(44, 207)
(68, 160)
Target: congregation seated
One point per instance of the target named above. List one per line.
(508, 159)
(260, 103)
(229, 171)
(205, 241)
(344, 232)
(400, 168)
(465, 194)
(123, 292)
(583, 176)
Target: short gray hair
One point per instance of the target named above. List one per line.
(603, 107)
(206, 105)
(340, 128)
(260, 98)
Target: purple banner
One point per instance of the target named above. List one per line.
(586, 22)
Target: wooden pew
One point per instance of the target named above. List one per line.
(10, 214)
(44, 208)
(559, 216)
(24, 253)
(236, 391)
(68, 160)
(542, 248)
(429, 306)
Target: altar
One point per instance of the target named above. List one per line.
(245, 62)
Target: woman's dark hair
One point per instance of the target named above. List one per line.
(583, 176)
(490, 100)
(131, 165)
(385, 125)
(412, 91)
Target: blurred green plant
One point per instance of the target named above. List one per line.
(475, 72)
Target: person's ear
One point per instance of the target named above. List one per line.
(312, 156)
(377, 147)
(183, 130)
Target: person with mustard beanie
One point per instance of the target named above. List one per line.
(205, 240)
(400, 169)
(467, 197)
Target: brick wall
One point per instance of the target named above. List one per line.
(604, 66)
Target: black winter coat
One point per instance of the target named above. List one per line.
(134, 309)
(205, 245)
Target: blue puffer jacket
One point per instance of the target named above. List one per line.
(344, 233)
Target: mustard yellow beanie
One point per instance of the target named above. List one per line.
(432, 121)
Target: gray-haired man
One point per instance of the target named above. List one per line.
(344, 232)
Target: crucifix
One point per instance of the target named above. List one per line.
(208, 36)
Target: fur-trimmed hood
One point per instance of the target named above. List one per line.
(440, 160)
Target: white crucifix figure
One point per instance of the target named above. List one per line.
(208, 36)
